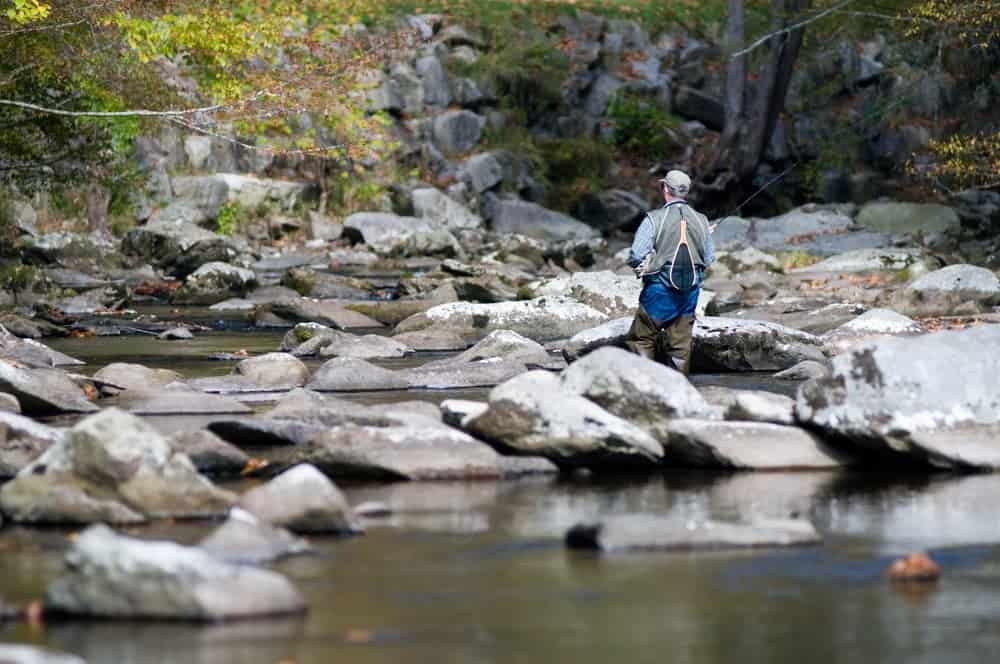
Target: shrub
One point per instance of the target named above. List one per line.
(641, 128)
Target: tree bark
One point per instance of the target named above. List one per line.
(736, 82)
(98, 199)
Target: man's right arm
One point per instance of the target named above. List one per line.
(642, 244)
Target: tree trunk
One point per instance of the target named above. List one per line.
(736, 83)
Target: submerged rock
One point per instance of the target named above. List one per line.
(652, 532)
(303, 500)
(245, 539)
(43, 391)
(111, 467)
(930, 399)
(534, 414)
(114, 576)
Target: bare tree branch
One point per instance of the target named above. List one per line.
(111, 114)
(784, 31)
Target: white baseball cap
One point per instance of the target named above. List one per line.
(678, 183)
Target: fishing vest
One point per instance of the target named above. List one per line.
(675, 226)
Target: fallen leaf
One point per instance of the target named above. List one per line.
(254, 465)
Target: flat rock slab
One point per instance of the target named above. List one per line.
(32, 353)
(43, 391)
(324, 312)
(421, 449)
(747, 446)
(114, 576)
(642, 532)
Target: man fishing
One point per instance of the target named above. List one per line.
(670, 253)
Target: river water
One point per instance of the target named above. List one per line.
(477, 572)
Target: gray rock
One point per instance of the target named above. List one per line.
(11, 653)
(482, 171)
(511, 215)
(245, 539)
(433, 339)
(824, 231)
(601, 93)
(613, 294)
(203, 195)
(114, 576)
(324, 312)
(748, 446)
(640, 391)
(322, 227)
(612, 333)
(276, 370)
(135, 376)
(209, 453)
(418, 448)
(456, 132)
(322, 285)
(178, 399)
(870, 326)
(440, 210)
(804, 370)
(111, 467)
(540, 319)
(22, 440)
(303, 500)
(749, 345)
(32, 353)
(653, 532)
(311, 339)
(899, 218)
(348, 374)
(930, 399)
(751, 405)
(941, 292)
(251, 192)
(873, 260)
(178, 247)
(43, 391)
(750, 258)
(437, 91)
(534, 414)
(214, 282)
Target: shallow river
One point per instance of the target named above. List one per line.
(476, 572)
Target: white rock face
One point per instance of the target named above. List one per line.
(934, 398)
(610, 293)
(114, 576)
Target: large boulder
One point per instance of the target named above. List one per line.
(640, 391)
(898, 218)
(412, 447)
(111, 467)
(114, 576)
(697, 105)
(874, 260)
(209, 453)
(311, 339)
(303, 500)
(747, 446)
(533, 414)
(180, 248)
(392, 235)
(512, 215)
(22, 440)
(350, 374)
(823, 231)
(613, 294)
(944, 291)
(43, 391)
(482, 171)
(252, 193)
(654, 532)
(731, 344)
(214, 282)
(930, 399)
(540, 319)
(275, 370)
(440, 209)
(456, 132)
